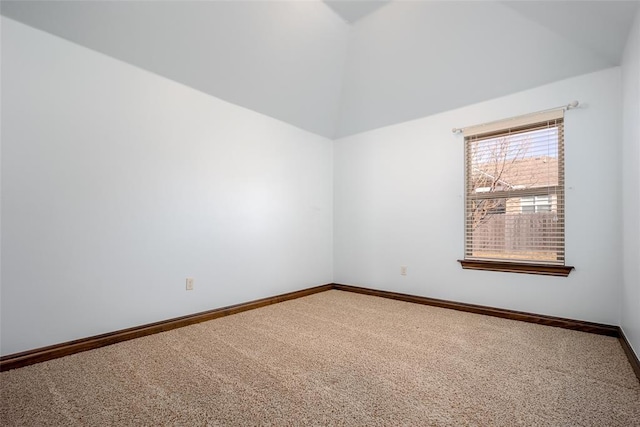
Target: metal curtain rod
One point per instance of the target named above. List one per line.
(570, 106)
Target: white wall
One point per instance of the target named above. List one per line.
(631, 188)
(398, 200)
(117, 184)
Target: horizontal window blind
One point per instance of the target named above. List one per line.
(514, 196)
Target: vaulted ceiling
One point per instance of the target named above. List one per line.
(336, 68)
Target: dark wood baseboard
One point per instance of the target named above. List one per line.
(631, 355)
(42, 354)
(578, 325)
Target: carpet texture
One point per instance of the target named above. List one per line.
(335, 358)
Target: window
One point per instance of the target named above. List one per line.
(514, 195)
(535, 204)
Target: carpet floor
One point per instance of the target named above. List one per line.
(335, 358)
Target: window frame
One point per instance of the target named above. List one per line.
(536, 204)
(515, 265)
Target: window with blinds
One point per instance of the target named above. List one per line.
(514, 197)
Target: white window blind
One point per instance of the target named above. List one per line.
(514, 196)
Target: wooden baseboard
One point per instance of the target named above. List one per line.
(578, 325)
(42, 354)
(631, 355)
(38, 355)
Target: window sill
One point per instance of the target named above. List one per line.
(514, 267)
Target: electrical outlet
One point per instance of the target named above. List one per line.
(403, 270)
(189, 283)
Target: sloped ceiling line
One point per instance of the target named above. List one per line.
(594, 25)
(299, 62)
(352, 11)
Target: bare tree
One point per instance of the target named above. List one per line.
(494, 168)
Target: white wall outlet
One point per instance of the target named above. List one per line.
(403, 270)
(189, 283)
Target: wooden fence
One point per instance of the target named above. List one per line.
(529, 236)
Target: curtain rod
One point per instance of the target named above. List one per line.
(570, 106)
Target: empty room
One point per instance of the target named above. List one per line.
(316, 212)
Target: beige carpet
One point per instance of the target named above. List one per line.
(335, 358)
